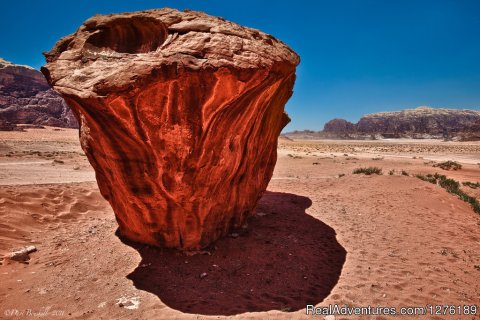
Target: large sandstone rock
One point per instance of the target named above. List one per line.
(25, 97)
(180, 114)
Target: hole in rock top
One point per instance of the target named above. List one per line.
(133, 35)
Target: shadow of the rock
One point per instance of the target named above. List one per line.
(284, 261)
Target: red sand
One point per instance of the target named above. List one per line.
(317, 239)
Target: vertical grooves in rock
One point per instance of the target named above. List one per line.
(182, 138)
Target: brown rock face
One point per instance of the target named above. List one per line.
(7, 126)
(340, 127)
(179, 115)
(421, 122)
(471, 132)
(25, 97)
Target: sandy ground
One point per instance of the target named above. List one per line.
(321, 236)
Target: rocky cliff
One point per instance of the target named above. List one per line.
(471, 132)
(422, 122)
(179, 114)
(418, 123)
(26, 97)
(339, 128)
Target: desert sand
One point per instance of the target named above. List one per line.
(321, 236)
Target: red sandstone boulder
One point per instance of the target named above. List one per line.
(179, 115)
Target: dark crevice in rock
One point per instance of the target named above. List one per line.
(134, 35)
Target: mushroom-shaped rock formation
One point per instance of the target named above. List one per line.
(179, 116)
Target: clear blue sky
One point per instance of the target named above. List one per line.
(358, 56)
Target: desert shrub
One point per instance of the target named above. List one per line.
(429, 178)
(368, 171)
(439, 176)
(473, 185)
(448, 165)
(391, 172)
(472, 200)
(341, 175)
(404, 173)
(452, 187)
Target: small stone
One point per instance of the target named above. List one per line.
(197, 252)
(128, 303)
(203, 275)
(76, 167)
(22, 255)
(233, 235)
(56, 161)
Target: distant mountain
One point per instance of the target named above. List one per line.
(422, 122)
(471, 132)
(340, 128)
(25, 97)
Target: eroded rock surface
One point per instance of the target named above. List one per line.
(180, 114)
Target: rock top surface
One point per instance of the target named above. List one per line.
(112, 52)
